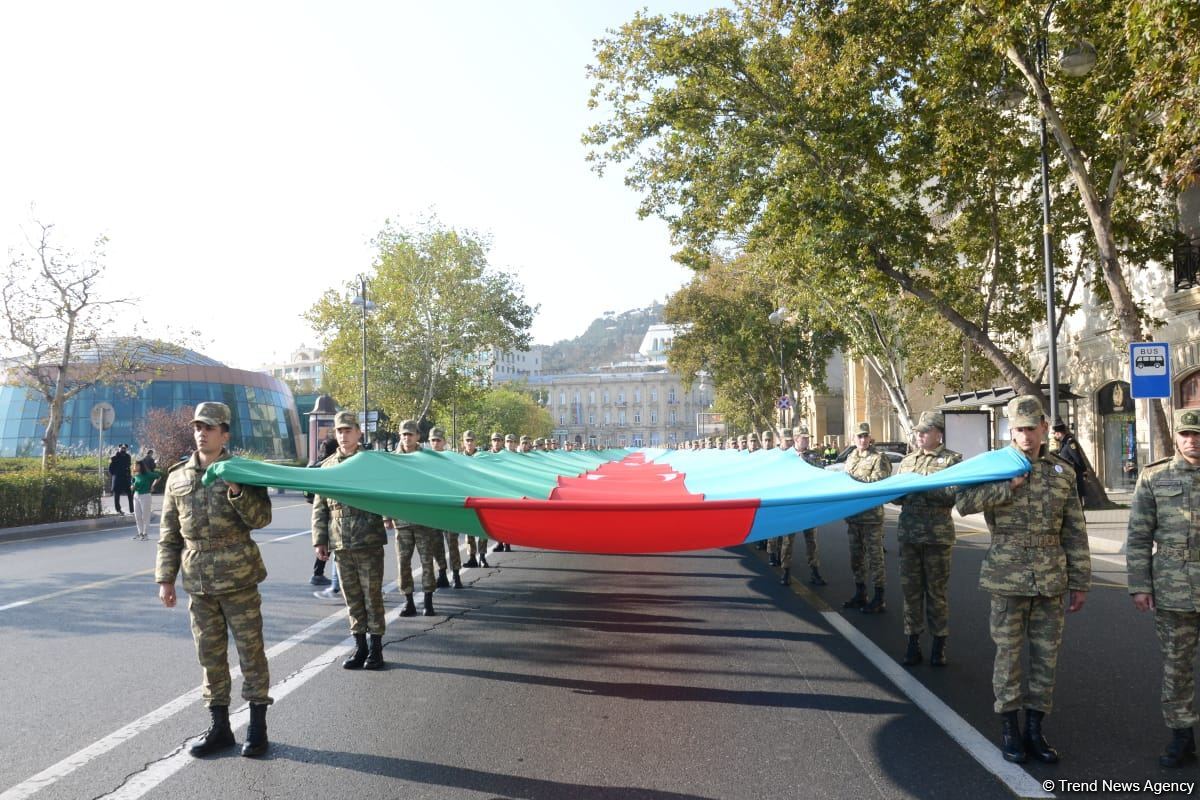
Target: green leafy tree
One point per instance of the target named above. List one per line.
(438, 305)
(505, 408)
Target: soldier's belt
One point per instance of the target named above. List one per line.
(1182, 553)
(215, 542)
(1031, 540)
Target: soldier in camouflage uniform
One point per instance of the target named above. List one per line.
(1038, 555)
(358, 538)
(787, 441)
(752, 444)
(410, 536)
(865, 529)
(205, 531)
(1167, 582)
(926, 534)
(445, 543)
(801, 438)
(476, 546)
(768, 439)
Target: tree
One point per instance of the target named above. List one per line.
(863, 144)
(507, 409)
(168, 432)
(439, 308)
(59, 328)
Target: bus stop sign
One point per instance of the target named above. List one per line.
(1150, 369)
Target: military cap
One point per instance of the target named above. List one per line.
(525, 438)
(410, 426)
(863, 429)
(929, 420)
(800, 431)
(211, 413)
(786, 434)
(497, 436)
(752, 436)
(1187, 419)
(437, 432)
(768, 434)
(509, 437)
(468, 434)
(345, 419)
(1025, 412)
(539, 441)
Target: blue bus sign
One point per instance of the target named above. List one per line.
(1150, 369)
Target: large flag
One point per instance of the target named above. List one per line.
(612, 501)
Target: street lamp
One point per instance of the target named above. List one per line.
(366, 305)
(1077, 60)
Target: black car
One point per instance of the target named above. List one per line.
(895, 452)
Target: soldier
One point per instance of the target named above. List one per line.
(510, 442)
(1163, 514)
(497, 443)
(801, 438)
(867, 464)
(410, 536)
(768, 439)
(752, 442)
(787, 440)
(358, 538)
(1038, 554)
(476, 546)
(445, 543)
(742, 444)
(926, 535)
(526, 444)
(205, 531)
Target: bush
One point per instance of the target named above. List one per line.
(31, 497)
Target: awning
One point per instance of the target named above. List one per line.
(996, 396)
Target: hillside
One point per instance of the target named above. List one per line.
(610, 338)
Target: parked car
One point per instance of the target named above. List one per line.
(895, 452)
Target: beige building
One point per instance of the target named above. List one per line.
(304, 369)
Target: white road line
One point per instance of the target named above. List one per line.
(175, 761)
(285, 538)
(985, 752)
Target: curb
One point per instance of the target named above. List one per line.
(27, 532)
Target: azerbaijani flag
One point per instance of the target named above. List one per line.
(610, 501)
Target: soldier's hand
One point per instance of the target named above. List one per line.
(234, 488)
(166, 593)
(1019, 481)
(1077, 601)
(1143, 601)
(322, 552)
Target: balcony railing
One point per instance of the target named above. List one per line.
(1186, 258)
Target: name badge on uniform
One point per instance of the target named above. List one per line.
(1058, 468)
(942, 460)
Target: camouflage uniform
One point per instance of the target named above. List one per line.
(926, 535)
(865, 529)
(206, 533)
(1163, 514)
(1039, 552)
(358, 538)
(784, 544)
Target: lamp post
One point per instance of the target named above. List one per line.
(366, 305)
(1077, 60)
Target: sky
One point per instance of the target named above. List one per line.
(240, 156)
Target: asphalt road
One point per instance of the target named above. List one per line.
(551, 675)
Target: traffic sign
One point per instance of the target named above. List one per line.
(1150, 369)
(371, 423)
(103, 416)
(784, 402)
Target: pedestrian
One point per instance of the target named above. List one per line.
(410, 537)
(926, 534)
(120, 467)
(358, 538)
(445, 543)
(1037, 564)
(143, 500)
(1166, 579)
(1070, 452)
(205, 532)
(147, 461)
(867, 464)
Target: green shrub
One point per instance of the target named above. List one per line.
(31, 497)
(72, 463)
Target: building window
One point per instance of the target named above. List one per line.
(620, 397)
(671, 395)
(621, 418)
(606, 397)
(653, 417)
(637, 395)
(577, 398)
(637, 418)
(591, 419)
(591, 397)
(607, 418)
(562, 419)
(654, 395)
(672, 418)
(562, 398)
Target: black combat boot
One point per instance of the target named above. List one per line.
(937, 656)
(457, 580)
(429, 604)
(1181, 750)
(786, 578)
(442, 582)
(815, 577)
(360, 653)
(860, 597)
(483, 560)
(912, 655)
(471, 563)
(1011, 746)
(410, 608)
(761, 544)
(773, 560)
(507, 547)
(375, 653)
(499, 548)
(876, 606)
(218, 737)
(1035, 743)
(256, 735)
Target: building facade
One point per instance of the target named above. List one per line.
(304, 370)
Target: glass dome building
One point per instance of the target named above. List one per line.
(265, 421)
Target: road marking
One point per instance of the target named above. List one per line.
(173, 762)
(73, 589)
